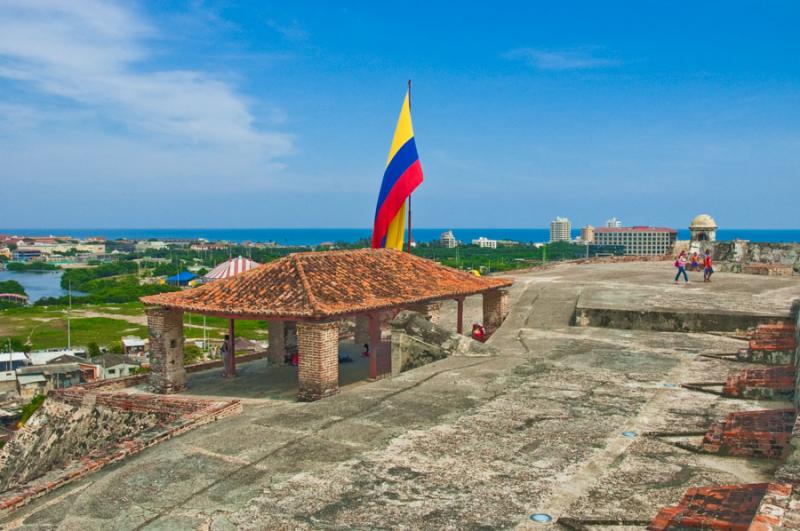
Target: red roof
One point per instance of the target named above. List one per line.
(635, 229)
(329, 284)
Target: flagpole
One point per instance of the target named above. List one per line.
(409, 195)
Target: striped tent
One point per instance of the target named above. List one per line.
(231, 268)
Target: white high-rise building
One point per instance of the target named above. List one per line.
(483, 241)
(657, 241)
(613, 223)
(448, 239)
(560, 230)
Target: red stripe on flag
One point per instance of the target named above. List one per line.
(405, 184)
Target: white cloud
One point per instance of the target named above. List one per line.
(293, 31)
(578, 59)
(95, 54)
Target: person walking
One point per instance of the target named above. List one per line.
(708, 270)
(680, 263)
(695, 266)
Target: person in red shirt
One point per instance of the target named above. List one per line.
(707, 269)
(478, 333)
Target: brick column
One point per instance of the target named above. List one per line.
(290, 336)
(276, 349)
(361, 333)
(430, 310)
(165, 329)
(318, 374)
(495, 308)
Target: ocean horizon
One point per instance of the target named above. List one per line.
(315, 236)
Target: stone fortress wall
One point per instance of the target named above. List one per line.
(741, 256)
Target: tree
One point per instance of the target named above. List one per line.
(191, 354)
(93, 349)
(16, 345)
(116, 347)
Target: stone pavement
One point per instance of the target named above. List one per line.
(556, 424)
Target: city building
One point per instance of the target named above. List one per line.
(42, 357)
(116, 365)
(39, 379)
(154, 245)
(483, 241)
(8, 381)
(47, 247)
(638, 240)
(27, 255)
(134, 346)
(10, 361)
(448, 239)
(560, 230)
(703, 229)
(587, 234)
(613, 223)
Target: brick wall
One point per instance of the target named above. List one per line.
(318, 374)
(495, 309)
(796, 318)
(760, 434)
(732, 507)
(771, 383)
(165, 327)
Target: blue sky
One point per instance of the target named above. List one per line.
(213, 114)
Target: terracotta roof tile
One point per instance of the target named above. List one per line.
(329, 284)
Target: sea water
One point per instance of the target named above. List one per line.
(319, 235)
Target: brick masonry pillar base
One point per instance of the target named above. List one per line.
(318, 373)
(495, 308)
(276, 349)
(431, 310)
(165, 328)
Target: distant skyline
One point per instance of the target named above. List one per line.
(205, 114)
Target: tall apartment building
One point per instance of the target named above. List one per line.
(638, 240)
(560, 229)
(448, 239)
(613, 223)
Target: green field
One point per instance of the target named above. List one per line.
(45, 327)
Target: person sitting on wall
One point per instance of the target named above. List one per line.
(295, 359)
(478, 332)
(223, 352)
(366, 350)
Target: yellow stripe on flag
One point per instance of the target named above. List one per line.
(397, 230)
(404, 131)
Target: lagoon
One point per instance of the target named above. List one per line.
(38, 285)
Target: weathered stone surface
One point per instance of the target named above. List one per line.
(59, 433)
(416, 341)
(464, 442)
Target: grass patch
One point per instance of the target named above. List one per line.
(29, 409)
(53, 334)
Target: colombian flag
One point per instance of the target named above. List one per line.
(403, 174)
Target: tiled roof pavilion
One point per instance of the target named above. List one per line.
(321, 285)
(304, 297)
